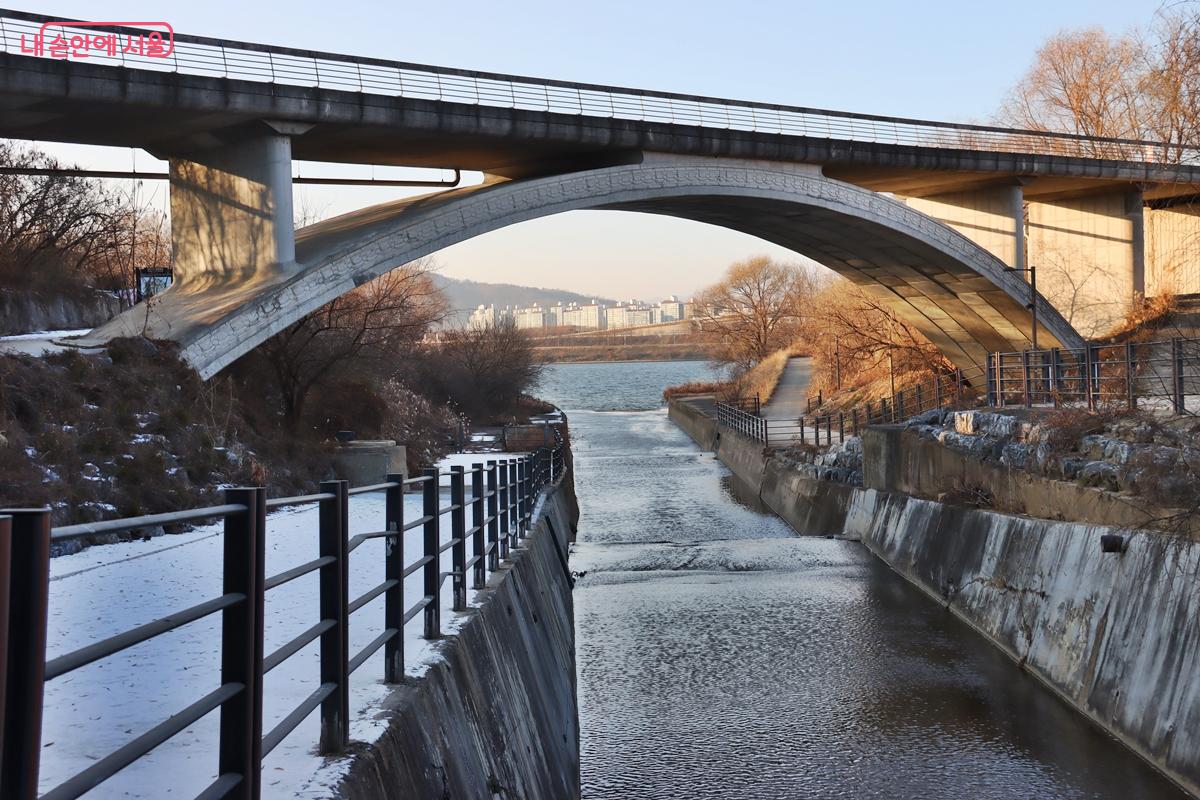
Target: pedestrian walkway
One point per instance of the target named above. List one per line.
(790, 399)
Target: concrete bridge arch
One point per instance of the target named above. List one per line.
(954, 291)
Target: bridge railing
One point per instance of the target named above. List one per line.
(203, 56)
(490, 510)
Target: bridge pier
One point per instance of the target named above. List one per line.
(1172, 247)
(231, 211)
(1090, 254)
(993, 217)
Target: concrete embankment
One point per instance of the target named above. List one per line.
(497, 717)
(1116, 635)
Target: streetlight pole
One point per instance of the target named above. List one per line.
(1032, 305)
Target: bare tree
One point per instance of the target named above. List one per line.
(755, 310)
(362, 330)
(483, 371)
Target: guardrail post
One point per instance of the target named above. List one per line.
(393, 650)
(433, 566)
(477, 523)
(802, 439)
(937, 391)
(240, 748)
(458, 531)
(493, 505)
(1130, 380)
(514, 525)
(842, 426)
(870, 413)
(958, 387)
(854, 420)
(334, 603)
(523, 497)
(1056, 376)
(1177, 375)
(1087, 377)
(991, 380)
(899, 406)
(1025, 384)
(505, 541)
(766, 431)
(25, 651)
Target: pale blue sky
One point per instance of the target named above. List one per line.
(934, 59)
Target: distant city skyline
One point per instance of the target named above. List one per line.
(941, 60)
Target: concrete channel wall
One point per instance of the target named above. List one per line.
(1113, 634)
(497, 717)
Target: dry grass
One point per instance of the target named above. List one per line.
(719, 388)
(762, 379)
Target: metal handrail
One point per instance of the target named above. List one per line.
(221, 58)
(499, 520)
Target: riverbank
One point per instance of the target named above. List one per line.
(1112, 634)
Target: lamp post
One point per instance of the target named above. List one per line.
(1032, 305)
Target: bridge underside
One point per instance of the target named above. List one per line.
(237, 284)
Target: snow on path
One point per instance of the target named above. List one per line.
(108, 589)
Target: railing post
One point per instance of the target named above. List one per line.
(870, 413)
(899, 406)
(1177, 376)
(937, 391)
(854, 420)
(990, 380)
(477, 523)
(25, 651)
(766, 431)
(240, 748)
(458, 531)
(1130, 380)
(842, 427)
(505, 542)
(433, 567)
(1087, 377)
(522, 496)
(1025, 376)
(802, 439)
(334, 603)
(393, 613)
(958, 387)
(1056, 376)
(514, 525)
(493, 506)
(919, 407)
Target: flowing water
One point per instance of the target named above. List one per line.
(720, 655)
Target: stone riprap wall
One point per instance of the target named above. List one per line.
(497, 717)
(23, 312)
(1116, 635)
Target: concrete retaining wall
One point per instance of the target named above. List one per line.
(694, 422)
(497, 718)
(1115, 635)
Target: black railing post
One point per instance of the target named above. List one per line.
(25, 651)
(334, 603)
(870, 413)
(393, 650)
(991, 380)
(854, 420)
(1177, 376)
(802, 439)
(493, 507)
(958, 387)
(505, 542)
(458, 531)
(1130, 378)
(1026, 386)
(1087, 377)
(828, 428)
(937, 391)
(240, 748)
(842, 427)
(899, 406)
(1056, 376)
(477, 523)
(522, 497)
(433, 566)
(514, 525)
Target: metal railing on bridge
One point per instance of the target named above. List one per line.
(204, 56)
(490, 511)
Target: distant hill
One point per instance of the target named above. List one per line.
(466, 295)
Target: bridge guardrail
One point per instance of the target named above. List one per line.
(500, 497)
(204, 56)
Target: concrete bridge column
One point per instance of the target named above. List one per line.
(231, 212)
(993, 217)
(1090, 255)
(1173, 248)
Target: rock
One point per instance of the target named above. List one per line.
(1071, 468)
(966, 423)
(1100, 474)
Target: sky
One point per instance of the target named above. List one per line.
(931, 59)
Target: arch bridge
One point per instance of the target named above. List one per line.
(933, 218)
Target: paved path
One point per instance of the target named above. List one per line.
(790, 399)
